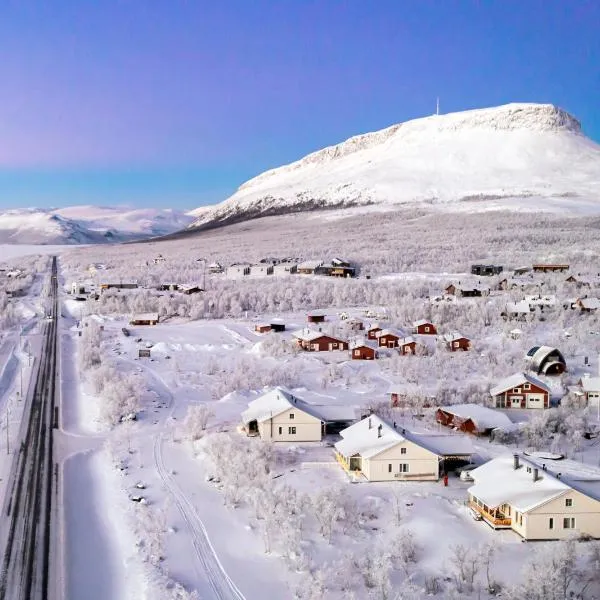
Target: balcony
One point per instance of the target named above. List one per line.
(494, 518)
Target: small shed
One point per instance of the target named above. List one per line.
(316, 317)
(144, 353)
(277, 327)
(456, 341)
(262, 328)
(144, 319)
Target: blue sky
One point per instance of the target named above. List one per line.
(176, 103)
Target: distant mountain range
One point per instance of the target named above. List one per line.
(517, 156)
(88, 224)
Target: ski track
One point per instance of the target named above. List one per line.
(222, 585)
(220, 582)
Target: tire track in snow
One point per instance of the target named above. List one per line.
(222, 585)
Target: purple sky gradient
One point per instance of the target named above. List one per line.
(235, 88)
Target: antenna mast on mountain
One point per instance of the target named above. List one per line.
(437, 106)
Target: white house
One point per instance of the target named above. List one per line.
(590, 386)
(280, 416)
(379, 451)
(537, 500)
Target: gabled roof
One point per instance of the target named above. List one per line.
(390, 331)
(422, 322)
(363, 439)
(497, 482)
(406, 341)
(515, 381)
(279, 400)
(309, 335)
(453, 337)
(362, 343)
(484, 418)
(145, 317)
(590, 384)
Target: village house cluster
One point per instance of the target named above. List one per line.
(336, 267)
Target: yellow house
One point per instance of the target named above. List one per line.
(381, 452)
(278, 416)
(522, 495)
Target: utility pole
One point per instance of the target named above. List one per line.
(7, 432)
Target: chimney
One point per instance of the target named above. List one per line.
(370, 426)
(379, 430)
(535, 474)
(516, 461)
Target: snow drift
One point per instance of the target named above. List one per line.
(528, 152)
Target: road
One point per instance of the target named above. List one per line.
(27, 513)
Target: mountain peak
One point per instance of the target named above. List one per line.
(514, 151)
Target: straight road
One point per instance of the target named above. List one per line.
(27, 513)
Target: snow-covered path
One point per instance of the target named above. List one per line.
(223, 588)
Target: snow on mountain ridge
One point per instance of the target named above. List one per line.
(511, 152)
(534, 117)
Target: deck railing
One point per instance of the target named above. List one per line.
(495, 520)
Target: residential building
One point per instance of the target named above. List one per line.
(363, 350)
(455, 341)
(467, 291)
(521, 391)
(472, 418)
(317, 341)
(588, 305)
(315, 316)
(280, 416)
(539, 501)
(389, 338)
(550, 268)
(486, 270)
(590, 386)
(407, 345)
(237, 271)
(309, 267)
(424, 327)
(377, 451)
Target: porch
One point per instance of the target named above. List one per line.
(494, 517)
(352, 465)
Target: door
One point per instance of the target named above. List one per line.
(514, 401)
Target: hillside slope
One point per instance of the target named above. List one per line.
(522, 153)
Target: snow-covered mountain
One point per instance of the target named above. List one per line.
(525, 156)
(87, 224)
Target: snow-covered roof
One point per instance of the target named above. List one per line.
(497, 482)
(452, 337)
(309, 335)
(422, 322)
(360, 343)
(273, 403)
(390, 331)
(589, 303)
(515, 381)
(407, 340)
(372, 436)
(483, 417)
(539, 354)
(145, 317)
(590, 384)
(310, 264)
(518, 308)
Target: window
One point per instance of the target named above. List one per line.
(292, 416)
(402, 450)
(292, 430)
(568, 502)
(516, 390)
(569, 523)
(389, 467)
(280, 430)
(403, 468)
(334, 344)
(426, 329)
(357, 353)
(551, 523)
(526, 386)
